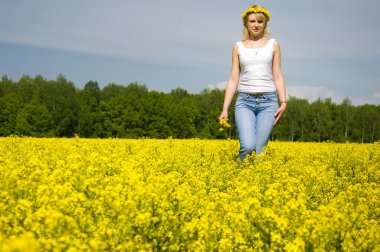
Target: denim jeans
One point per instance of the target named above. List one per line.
(254, 116)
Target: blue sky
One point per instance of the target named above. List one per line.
(330, 48)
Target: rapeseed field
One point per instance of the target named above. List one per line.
(187, 195)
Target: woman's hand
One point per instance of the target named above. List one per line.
(223, 115)
(279, 113)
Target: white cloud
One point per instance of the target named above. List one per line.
(376, 95)
(312, 93)
(221, 85)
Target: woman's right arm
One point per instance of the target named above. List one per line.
(232, 83)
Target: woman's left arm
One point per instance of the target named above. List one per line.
(279, 81)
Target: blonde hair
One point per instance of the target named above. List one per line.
(260, 15)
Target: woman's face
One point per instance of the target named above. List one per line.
(255, 24)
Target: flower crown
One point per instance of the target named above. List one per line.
(256, 9)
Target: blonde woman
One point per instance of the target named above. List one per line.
(256, 75)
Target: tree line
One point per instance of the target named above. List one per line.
(56, 108)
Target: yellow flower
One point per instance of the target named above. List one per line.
(176, 194)
(224, 124)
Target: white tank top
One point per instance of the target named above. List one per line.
(256, 74)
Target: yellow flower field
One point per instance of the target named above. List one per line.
(188, 195)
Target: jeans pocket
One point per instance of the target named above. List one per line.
(270, 97)
(242, 96)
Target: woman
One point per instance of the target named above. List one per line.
(256, 74)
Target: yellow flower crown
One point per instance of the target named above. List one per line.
(256, 9)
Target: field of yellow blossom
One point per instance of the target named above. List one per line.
(187, 195)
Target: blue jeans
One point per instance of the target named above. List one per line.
(254, 116)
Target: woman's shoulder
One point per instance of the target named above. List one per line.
(238, 45)
(274, 43)
(272, 40)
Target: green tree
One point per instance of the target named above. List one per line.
(92, 87)
(60, 98)
(210, 103)
(7, 86)
(321, 120)
(34, 120)
(120, 117)
(156, 119)
(184, 114)
(88, 102)
(367, 123)
(179, 94)
(25, 88)
(112, 90)
(293, 125)
(347, 113)
(10, 104)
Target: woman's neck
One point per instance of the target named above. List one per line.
(256, 38)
